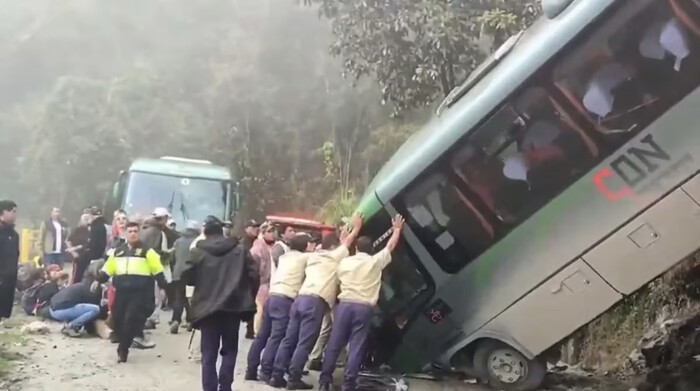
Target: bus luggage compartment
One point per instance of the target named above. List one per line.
(573, 297)
(652, 243)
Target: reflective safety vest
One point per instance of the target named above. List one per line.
(133, 267)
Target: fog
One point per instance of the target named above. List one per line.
(87, 86)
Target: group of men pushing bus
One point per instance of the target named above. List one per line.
(306, 286)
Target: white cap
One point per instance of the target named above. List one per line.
(194, 225)
(161, 212)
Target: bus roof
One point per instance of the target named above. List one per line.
(299, 222)
(538, 45)
(187, 168)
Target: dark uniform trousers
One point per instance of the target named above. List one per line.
(130, 311)
(272, 331)
(306, 318)
(351, 327)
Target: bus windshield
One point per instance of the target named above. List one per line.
(185, 198)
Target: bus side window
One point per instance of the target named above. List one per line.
(633, 68)
(540, 155)
(452, 229)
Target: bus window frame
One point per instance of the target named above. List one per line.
(571, 111)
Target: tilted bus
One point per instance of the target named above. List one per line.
(559, 179)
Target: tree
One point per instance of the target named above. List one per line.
(419, 50)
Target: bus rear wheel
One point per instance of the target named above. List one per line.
(505, 368)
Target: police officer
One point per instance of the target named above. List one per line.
(360, 278)
(132, 268)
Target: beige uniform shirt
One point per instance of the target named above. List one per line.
(289, 275)
(321, 274)
(361, 276)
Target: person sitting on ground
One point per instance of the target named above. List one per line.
(76, 305)
(46, 285)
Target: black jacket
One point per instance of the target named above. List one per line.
(225, 278)
(9, 250)
(73, 295)
(98, 239)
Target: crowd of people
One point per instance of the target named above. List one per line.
(305, 298)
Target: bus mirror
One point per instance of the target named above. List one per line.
(236, 201)
(115, 190)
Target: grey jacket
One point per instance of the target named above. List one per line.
(182, 252)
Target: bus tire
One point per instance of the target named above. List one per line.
(505, 368)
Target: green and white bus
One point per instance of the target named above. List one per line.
(189, 189)
(560, 178)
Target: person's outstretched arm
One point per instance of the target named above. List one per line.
(348, 240)
(397, 224)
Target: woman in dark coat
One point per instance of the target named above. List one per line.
(77, 251)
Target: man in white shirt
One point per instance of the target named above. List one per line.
(53, 236)
(284, 288)
(360, 281)
(316, 297)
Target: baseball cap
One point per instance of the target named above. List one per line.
(194, 225)
(161, 212)
(212, 221)
(228, 224)
(95, 211)
(252, 223)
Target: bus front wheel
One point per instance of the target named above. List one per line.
(505, 368)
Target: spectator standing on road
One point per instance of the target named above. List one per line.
(282, 245)
(316, 297)
(118, 235)
(228, 228)
(261, 253)
(180, 256)
(54, 234)
(284, 288)
(157, 236)
(9, 257)
(132, 267)
(360, 281)
(250, 234)
(225, 280)
(78, 248)
(98, 234)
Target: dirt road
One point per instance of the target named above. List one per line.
(57, 363)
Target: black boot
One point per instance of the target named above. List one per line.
(277, 382)
(250, 331)
(315, 365)
(299, 385)
(122, 356)
(250, 376)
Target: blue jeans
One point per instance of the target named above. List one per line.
(77, 316)
(53, 259)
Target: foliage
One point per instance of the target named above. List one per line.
(245, 83)
(419, 50)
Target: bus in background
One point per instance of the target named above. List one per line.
(190, 189)
(560, 178)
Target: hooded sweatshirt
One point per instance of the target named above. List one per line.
(225, 279)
